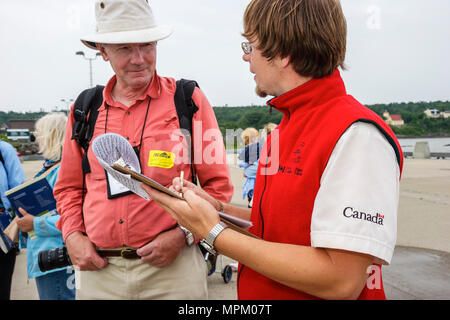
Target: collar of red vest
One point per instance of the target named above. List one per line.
(312, 93)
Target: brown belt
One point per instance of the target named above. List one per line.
(126, 253)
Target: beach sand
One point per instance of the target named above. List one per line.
(424, 206)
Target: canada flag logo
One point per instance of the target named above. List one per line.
(377, 218)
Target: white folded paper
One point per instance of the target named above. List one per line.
(111, 147)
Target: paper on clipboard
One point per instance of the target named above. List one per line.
(109, 148)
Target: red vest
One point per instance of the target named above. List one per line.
(316, 114)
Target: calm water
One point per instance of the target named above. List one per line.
(436, 144)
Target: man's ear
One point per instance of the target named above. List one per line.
(102, 50)
(285, 61)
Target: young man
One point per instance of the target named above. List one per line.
(147, 255)
(327, 218)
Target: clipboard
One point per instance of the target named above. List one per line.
(153, 184)
(146, 180)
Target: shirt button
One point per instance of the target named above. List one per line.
(120, 221)
(128, 112)
(128, 138)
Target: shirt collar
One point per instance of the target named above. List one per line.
(153, 89)
(312, 93)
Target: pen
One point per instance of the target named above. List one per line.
(181, 181)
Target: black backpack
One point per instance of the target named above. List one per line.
(85, 113)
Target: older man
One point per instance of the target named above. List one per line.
(144, 254)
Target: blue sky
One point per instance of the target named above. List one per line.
(397, 50)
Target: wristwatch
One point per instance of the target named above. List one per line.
(208, 242)
(189, 236)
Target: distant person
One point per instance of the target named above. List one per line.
(11, 175)
(125, 246)
(249, 156)
(327, 216)
(250, 153)
(253, 152)
(57, 284)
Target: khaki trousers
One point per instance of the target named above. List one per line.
(122, 279)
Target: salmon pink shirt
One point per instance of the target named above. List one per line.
(131, 220)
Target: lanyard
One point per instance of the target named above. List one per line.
(137, 149)
(114, 189)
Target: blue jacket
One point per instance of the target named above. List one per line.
(249, 184)
(11, 175)
(48, 236)
(249, 155)
(11, 172)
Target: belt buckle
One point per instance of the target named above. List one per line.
(127, 253)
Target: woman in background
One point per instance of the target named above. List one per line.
(249, 156)
(56, 284)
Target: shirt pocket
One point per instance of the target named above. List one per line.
(164, 156)
(97, 171)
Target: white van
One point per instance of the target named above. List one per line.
(19, 135)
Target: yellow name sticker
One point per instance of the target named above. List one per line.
(161, 159)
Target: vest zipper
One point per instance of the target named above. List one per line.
(260, 212)
(260, 201)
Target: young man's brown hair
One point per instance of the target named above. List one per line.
(311, 32)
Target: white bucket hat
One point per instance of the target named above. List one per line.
(125, 21)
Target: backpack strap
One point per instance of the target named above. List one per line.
(86, 107)
(184, 104)
(186, 109)
(85, 114)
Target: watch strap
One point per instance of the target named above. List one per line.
(189, 237)
(208, 242)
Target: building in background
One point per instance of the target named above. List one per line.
(393, 119)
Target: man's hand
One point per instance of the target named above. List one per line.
(164, 249)
(83, 254)
(26, 223)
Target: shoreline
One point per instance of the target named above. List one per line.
(430, 136)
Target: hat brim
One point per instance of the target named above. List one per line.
(136, 36)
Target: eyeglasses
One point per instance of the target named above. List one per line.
(247, 47)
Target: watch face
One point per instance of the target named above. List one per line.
(189, 239)
(189, 236)
(208, 247)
